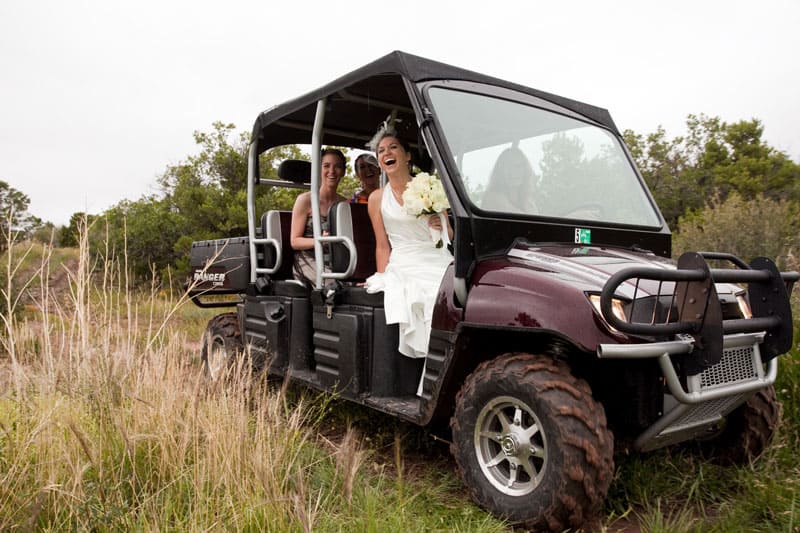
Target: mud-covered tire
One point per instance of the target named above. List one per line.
(747, 432)
(222, 345)
(531, 412)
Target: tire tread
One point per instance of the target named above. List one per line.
(588, 450)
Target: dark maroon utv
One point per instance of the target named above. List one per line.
(562, 330)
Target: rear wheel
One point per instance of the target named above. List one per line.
(531, 443)
(222, 345)
(747, 432)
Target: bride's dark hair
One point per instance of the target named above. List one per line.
(388, 129)
(390, 133)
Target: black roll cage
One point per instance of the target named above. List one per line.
(347, 111)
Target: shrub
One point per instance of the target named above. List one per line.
(747, 228)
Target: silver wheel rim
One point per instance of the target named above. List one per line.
(511, 446)
(217, 358)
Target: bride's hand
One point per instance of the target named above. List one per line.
(435, 222)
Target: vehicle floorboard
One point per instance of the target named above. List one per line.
(406, 406)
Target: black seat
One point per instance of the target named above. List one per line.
(295, 170)
(352, 221)
(277, 225)
(278, 254)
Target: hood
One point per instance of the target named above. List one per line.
(589, 267)
(586, 266)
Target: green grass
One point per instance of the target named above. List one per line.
(674, 490)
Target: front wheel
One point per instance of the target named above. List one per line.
(531, 443)
(222, 344)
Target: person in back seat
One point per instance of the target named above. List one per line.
(369, 173)
(302, 234)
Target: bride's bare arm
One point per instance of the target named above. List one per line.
(382, 246)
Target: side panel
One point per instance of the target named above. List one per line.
(447, 313)
(342, 343)
(301, 356)
(391, 374)
(435, 363)
(276, 329)
(355, 353)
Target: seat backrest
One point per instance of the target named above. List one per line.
(278, 225)
(352, 221)
(295, 170)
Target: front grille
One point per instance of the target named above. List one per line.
(736, 365)
(727, 385)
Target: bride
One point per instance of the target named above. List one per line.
(409, 265)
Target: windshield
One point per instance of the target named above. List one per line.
(515, 158)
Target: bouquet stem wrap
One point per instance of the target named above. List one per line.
(425, 195)
(440, 237)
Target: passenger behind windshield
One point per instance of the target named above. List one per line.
(368, 173)
(302, 233)
(510, 185)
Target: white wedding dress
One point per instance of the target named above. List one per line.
(411, 280)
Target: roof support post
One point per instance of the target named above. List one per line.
(316, 162)
(252, 175)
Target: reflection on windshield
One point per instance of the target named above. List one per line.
(520, 159)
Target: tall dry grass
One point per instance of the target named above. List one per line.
(108, 423)
(105, 424)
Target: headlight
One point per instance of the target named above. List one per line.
(617, 307)
(744, 305)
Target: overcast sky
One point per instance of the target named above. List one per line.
(97, 97)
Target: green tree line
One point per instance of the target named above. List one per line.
(713, 159)
(201, 198)
(15, 220)
(720, 186)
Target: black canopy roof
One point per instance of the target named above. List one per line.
(360, 100)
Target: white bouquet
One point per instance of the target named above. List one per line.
(425, 195)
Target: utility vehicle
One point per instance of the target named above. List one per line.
(560, 332)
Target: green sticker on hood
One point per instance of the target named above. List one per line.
(583, 236)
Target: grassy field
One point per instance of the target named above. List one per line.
(107, 424)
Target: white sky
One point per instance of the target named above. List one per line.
(97, 97)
